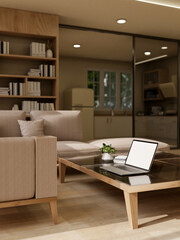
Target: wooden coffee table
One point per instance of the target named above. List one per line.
(165, 174)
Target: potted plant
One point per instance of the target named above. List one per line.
(107, 151)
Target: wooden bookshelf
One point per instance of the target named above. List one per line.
(26, 77)
(27, 97)
(20, 28)
(28, 58)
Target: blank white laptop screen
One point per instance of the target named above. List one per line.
(141, 154)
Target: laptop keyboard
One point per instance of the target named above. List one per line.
(128, 169)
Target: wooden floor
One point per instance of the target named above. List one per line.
(92, 210)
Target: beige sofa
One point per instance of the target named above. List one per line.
(28, 172)
(67, 127)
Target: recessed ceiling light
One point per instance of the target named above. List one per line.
(147, 53)
(121, 21)
(164, 47)
(161, 3)
(76, 45)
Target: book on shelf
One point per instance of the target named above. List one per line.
(4, 47)
(34, 72)
(34, 88)
(47, 70)
(29, 106)
(16, 88)
(38, 49)
(4, 91)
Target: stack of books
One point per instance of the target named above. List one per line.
(17, 88)
(34, 88)
(29, 106)
(38, 49)
(4, 91)
(34, 72)
(4, 47)
(47, 70)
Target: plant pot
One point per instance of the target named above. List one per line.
(107, 156)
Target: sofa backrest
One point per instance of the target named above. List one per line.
(9, 126)
(65, 125)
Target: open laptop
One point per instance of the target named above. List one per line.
(138, 161)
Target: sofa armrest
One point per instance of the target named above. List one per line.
(17, 168)
(46, 166)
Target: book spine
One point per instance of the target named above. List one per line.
(15, 88)
(44, 50)
(2, 47)
(18, 88)
(53, 71)
(45, 70)
(48, 73)
(10, 88)
(7, 47)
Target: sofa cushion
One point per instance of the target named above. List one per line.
(65, 125)
(9, 126)
(122, 145)
(75, 148)
(31, 128)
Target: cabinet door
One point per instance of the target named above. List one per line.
(101, 127)
(170, 128)
(141, 126)
(155, 127)
(121, 126)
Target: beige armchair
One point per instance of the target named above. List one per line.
(28, 166)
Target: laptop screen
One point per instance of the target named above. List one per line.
(141, 154)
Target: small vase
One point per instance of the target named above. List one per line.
(107, 157)
(49, 53)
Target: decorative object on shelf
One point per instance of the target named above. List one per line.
(107, 151)
(15, 107)
(49, 52)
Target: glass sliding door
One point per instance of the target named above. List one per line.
(156, 90)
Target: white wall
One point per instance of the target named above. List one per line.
(73, 71)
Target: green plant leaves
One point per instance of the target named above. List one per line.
(107, 149)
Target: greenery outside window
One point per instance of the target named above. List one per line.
(109, 90)
(112, 89)
(94, 83)
(126, 90)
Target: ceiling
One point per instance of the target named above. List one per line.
(106, 46)
(142, 18)
(95, 45)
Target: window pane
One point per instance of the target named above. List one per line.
(96, 102)
(125, 90)
(113, 103)
(109, 102)
(96, 76)
(96, 88)
(90, 76)
(94, 83)
(109, 89)
(113, 87)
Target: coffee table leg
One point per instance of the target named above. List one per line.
(62, 172)
(131, 200)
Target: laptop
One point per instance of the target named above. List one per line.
(138, 161)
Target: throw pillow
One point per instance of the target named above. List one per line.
(31, 128)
